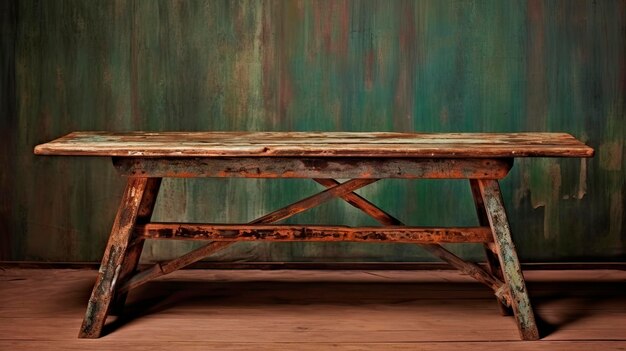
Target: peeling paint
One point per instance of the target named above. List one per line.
(545, 192)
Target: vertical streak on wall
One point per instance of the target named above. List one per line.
(8, 118)
(537, 97)
(268, 67)
(612, 157)
(406, 64)
(135, 111)
(286, 33)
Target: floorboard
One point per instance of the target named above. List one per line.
(313, 310)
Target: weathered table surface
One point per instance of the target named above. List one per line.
(316, 144)
(364, 158)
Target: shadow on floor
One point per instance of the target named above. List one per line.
(572, 300)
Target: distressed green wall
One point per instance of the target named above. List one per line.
(429, 66)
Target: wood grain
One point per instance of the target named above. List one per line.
(129, 266)
(319, 167)
(507, 255)
(491, 256)
(242, 232)
(313, 346)
(313, 310)
(113, 259)
(324, 144)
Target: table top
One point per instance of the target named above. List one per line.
(316, 144)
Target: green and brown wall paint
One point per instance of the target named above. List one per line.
(428, 66)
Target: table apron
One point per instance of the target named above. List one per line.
(314, 167)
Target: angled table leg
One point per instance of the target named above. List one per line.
(503, 243)
(129, 267)
(493, 261)
(114, 255)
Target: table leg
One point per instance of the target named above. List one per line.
(129, 266)
(505, 249)
(493, 261)
(114, 255)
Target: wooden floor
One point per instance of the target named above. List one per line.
(313, 310)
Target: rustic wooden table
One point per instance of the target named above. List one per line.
(145, 158)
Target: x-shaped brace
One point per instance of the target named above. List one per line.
(334, 189)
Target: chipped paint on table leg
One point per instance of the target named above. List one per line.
(114, 254)
(129, 267)
(493, 261)
(504, 247)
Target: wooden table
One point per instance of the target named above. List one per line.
(364, 158)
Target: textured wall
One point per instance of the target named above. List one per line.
(8, 121)
(313, 65)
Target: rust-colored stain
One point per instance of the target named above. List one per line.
(239, 232)
(390, 66)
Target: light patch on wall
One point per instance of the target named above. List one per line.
(523, 188)
(611, 155)
(582, 179)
